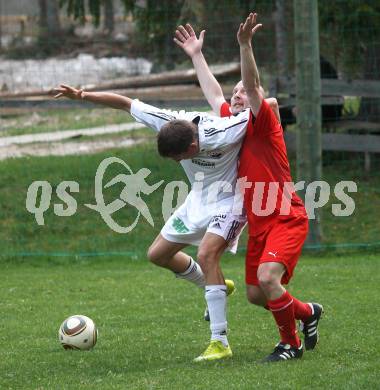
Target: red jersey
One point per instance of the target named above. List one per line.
(264, 163)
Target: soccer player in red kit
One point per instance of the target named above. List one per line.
(277, 219)
(276, 239)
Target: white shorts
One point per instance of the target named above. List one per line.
(229, 226)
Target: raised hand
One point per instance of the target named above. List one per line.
(247, 30)
(186, 39)
(67, 91)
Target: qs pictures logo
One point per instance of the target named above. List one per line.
(134, 186)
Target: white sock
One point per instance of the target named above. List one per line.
(193, 274)
(216, 298)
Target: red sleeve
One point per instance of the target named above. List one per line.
(225, 110)
(266, 121)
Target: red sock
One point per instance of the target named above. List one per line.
(302, 311)
(283, 312)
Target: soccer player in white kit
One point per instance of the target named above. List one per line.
(211, 217)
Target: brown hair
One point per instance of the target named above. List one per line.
(175, 137)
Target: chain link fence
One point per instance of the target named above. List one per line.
(143, 31)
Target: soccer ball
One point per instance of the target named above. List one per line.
(78, 332)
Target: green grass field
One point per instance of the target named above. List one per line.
(86, 232)
(63, 119)
(150, 324)
(151, 327)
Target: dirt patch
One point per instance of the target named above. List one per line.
(48, 144)
(65, 148)
(67, 134)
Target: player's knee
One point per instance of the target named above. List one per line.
(267, 281)
(206, 260)
(202, 259)
(153, 255)
(269, 276)
(256, 296)
(253, 298)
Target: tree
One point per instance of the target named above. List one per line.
(49, 34)
(221, 20)
(155, 23)
(79, 8)
(279, 17)
(0, 25)
(109, 17)
(354, 35)
(49, 18)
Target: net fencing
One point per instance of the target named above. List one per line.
(46, 145)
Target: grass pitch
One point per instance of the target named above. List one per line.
(150, 324)
(85, 232)
(151, 327)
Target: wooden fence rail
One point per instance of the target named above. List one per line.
(330, 87)
(181, 88)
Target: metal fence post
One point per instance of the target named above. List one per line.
(308, 101)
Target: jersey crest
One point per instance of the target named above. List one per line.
(215, 153)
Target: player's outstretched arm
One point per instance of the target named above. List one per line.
(104, 98)
(249, 72)
(151, 116)
(187, 40)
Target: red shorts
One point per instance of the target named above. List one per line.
(281, 243)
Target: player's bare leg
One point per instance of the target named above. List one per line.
(209, 254)
(281, 304)
(168, 255)
(256, 296)
(308, 314)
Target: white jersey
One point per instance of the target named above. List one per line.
(213, 171)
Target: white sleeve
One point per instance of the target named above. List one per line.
(154, 117)
(224, 131)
